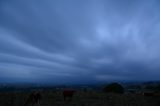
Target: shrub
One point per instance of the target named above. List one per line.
(114, 88)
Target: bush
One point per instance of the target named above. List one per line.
(155, 88)
(114, 88)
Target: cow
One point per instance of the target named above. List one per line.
(34, 99)
(68, 93)
(149, 94)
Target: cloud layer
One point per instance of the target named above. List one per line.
(79, 40)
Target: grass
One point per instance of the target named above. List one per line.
(55, 98)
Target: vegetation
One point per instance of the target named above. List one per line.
(114, 88)
(55, 98)
(155, 88)
(112, 95)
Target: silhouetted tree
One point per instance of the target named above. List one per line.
(114, 88)
(155, 88)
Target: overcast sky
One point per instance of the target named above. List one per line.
(79, 41)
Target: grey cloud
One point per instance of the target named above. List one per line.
(60, 40)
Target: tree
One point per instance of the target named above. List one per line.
(155, 88)
(114, 88)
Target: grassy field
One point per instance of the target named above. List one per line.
(55, 98)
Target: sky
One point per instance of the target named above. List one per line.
(79, 41)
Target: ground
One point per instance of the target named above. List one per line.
(55, 98)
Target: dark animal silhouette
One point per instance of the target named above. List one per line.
(149, 94)
(34, 99)
(68, 93)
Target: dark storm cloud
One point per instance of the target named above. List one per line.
(79, 40)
